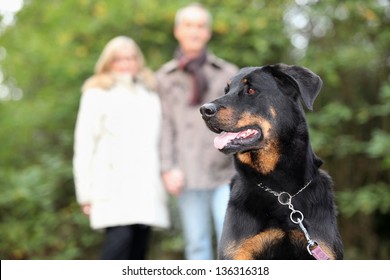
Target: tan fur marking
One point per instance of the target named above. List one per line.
(255, 244)
(263, 160)
(268, 158)
(273, 112)
(225, 116)
(245, 158)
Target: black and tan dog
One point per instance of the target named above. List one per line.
(281, 205)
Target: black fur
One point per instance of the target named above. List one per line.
(277, 154)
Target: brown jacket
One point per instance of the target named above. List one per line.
(186, 142)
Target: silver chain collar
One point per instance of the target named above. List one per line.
(296, 216)
(284, 193)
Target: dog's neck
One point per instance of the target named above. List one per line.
(295, 167)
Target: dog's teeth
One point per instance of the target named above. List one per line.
(248, 133)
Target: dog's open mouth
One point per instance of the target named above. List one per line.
(237, 140)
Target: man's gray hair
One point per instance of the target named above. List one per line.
(180, 14)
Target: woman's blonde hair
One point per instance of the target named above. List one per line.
(103, 78)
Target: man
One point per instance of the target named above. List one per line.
(193, 170)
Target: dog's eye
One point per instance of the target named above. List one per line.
(251, 91)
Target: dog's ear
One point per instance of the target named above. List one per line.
(307, 83)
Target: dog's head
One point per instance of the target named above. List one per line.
(261, 109)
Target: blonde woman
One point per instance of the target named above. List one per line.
(116, 158)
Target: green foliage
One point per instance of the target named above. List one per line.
(52, 49)
(368, 199)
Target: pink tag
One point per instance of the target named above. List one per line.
(319, 254)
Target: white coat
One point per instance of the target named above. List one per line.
(116, 160)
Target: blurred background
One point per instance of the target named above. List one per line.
(49, 47)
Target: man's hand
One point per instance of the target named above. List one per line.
(174, 181)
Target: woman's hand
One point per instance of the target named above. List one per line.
(86, 209)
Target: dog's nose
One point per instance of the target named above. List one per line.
(208, 110)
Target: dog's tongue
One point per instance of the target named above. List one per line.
(223, 138)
